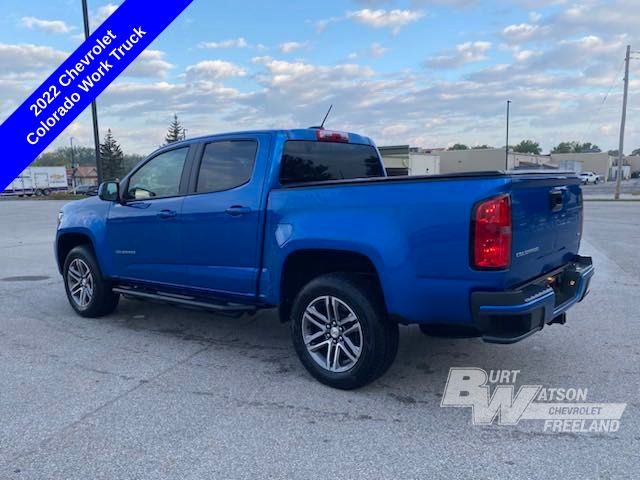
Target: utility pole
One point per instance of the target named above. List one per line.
(94, 106)
(73, 167)
(623, 122)
(506, 159)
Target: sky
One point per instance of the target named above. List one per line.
(428, 73)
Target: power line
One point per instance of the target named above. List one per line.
(613, 82)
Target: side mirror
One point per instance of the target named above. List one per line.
(109, 191)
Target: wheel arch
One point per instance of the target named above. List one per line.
(302, 266)
(67, 241)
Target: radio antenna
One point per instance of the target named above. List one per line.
(326, 116)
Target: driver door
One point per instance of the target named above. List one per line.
(143, 232)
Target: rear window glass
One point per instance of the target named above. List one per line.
(306, 161)
(226, 165)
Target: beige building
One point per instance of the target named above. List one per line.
(406, 160)
(599, 163)
(455, 161)
(634, 163)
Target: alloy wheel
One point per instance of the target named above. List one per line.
(80, 282)
(332, 334)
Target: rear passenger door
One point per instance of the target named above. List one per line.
(222, 217)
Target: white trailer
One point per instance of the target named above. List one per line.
(38, 181)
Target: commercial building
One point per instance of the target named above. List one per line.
(407, 160)
(489, 159)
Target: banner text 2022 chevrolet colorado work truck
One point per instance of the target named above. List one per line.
(306, 220)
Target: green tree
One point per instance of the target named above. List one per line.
(528, 146)
(613, 153)
(459, 146)
(563, 147)
(84, 156)
(576, 147)
(62, 157)
(481, 147)
(111, 157)
(636, 152)
(587, 147)
(176, 131)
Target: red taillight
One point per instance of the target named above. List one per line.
(332, 136)
(492, 233)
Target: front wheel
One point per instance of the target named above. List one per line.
(88, 292)
(341, 332)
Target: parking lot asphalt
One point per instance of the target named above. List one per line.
(628, 188)
(157, 392)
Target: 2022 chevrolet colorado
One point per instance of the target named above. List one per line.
(306, 220)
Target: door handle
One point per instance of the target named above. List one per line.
(164, 214)
(237, 210)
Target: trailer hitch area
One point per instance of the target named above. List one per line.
(560, 319)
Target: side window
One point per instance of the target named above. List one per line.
(226, 165)
(160, 177)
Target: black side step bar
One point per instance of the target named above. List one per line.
(184, 300)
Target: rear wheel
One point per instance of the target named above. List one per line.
(341, 332)
(88, 292)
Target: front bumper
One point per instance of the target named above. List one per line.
(511, 316)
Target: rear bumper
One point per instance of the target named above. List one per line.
(511, 316)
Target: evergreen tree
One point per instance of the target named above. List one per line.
(176, 132)
(111, 157)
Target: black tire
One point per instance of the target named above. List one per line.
(379, 335)
(46, 192)
(103, 301)
(38, 193)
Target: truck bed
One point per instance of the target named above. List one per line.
(417, 232)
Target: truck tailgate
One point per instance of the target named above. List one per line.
(547, 223)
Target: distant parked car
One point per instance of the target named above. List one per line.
(88, 190)
(589, 177)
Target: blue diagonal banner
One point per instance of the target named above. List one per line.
(80, 79)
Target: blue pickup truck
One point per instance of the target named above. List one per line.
(306, 220)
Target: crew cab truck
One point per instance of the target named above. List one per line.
(306, 220)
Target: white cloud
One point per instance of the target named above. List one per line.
(394, 19)
(535, 17)
(214, 70)
(103, 13)
(29, 58)
(150, 63)
(522, 32)
(376, 50)
(556, 69)
(288, 47)
(464, 53)
(239, 42)
(523, 55)
(51, 26)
